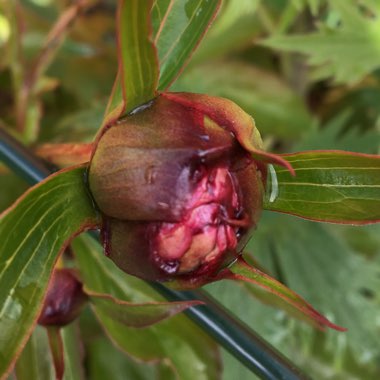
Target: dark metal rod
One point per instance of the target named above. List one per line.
(235, 336)
(21, 160)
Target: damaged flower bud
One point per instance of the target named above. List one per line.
(64, 299)
(177, 189)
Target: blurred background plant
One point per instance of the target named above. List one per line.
(308, 71)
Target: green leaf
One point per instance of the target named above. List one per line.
(361, 102)
(314, 5)
(315, 261)
(329, 186)
(12, 187)
(133, 314)
(244, 272)
(178, 28)
(322, 355)
(105, 360)
(137, 54)
(116, 103)
(372, 5)
(80, 126)
(364, 241)
(233, 30)
(333, 135)
(35, 361)
(137, 78)
(348, 49)
(73, 351)
(266, 321)
(177, 341)
(34, 232)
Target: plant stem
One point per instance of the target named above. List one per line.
(27, 108)
(16, 59)
(56, 348)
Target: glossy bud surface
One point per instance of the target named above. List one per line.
(178, 191)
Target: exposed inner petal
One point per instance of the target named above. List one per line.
(209, 227)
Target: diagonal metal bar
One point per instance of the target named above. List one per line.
(231, 333)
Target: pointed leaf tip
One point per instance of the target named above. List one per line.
(244, 272)
(271, 158)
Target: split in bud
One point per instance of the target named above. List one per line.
(208, 227)
(178, 192)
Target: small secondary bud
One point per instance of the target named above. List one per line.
(64, 299)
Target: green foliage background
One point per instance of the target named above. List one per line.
(308, 72)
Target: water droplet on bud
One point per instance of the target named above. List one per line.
(272, 185)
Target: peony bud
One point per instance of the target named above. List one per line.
(178, 191)
(64, 299)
